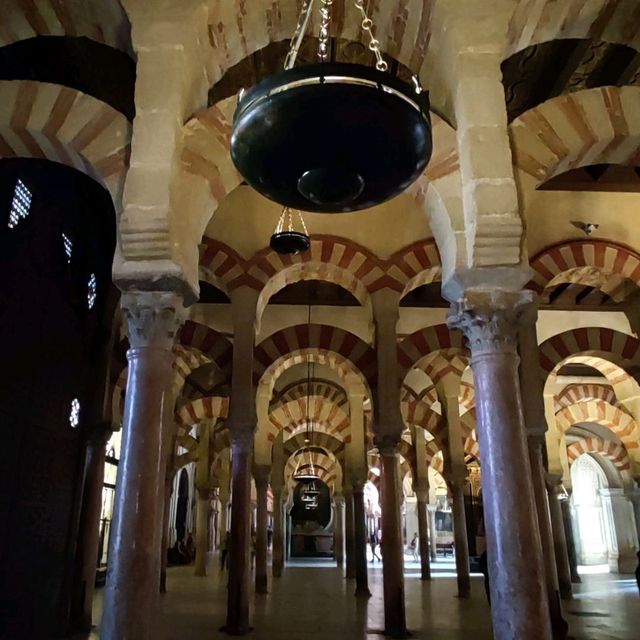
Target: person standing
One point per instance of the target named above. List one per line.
(224, 551)
(373, 543)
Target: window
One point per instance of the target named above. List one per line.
(91, 291)
(20, 204)
(74, 414)
(68, 247)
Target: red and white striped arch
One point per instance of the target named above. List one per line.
(340, 349)
(326, 389)
(599, 412)
(212, 344)
(210, 408)
(574, 393)
(601, 264)
(537, 21)
(56, 123)
(614, 451)
(317, 439)
(420, 414)
(593, 126)
(293, 414)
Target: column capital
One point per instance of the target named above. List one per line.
(490, 318)
(387, 443)
(153, 318)
(261, 475)
(98, 434)
(554, 484)
(421, 489)
(338, 500)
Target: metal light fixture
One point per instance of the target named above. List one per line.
(290, 236)
(331, 137)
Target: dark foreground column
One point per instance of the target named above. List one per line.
(520, 608)
(132, 594)
(350, 544)
(422, 495)
(460, 536)
(277, 555)
(338, 544)
(240, 552)
(261, 478)
(89, 529)
(362, 579)
(202, 532)
(395, 624)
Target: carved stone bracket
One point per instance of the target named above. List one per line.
(490, 318)
(153, 318)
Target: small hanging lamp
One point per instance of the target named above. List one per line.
(331, 137)
(290, 237)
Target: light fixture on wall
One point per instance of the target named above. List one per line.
(331, 137)
(290, 237)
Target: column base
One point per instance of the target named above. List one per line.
(235, 632)
(362, 592)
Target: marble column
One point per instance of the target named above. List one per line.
(520, 608)
(277, 554)
(349, 532)
(131, 595)
(422, 494)
(261, 478)
(240, 551)
(392, 544)
(166, 515)
(223, 521)
(563, 567)
(360, 540)
(202, 532)
(567, 521)
(89, 527)
(461, 541)
(338, 545)
(433, 536)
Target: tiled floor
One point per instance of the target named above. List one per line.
(313, 601)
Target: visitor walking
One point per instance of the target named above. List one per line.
(224, 551)
(373, 543)
(638, 572)
(413, 545)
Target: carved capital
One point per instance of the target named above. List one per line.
(387, 444)
(490, 318)
(153, 318)
(261, 475)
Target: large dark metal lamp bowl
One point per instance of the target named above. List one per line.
(331, 137)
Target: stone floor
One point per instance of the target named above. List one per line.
(313, 601)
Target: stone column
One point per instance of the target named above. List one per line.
(261, 478)
(242, 423)
(277, 555)
(567, 521)
(89, 527)
(433, 536)
(202, 532)
(457, 485)
(338, 546)
(554, 489)
(223, 520)
(532, 392)
(392, 543)
(634, 496)
(360, 539)
(349, 531)
(619, 513)
(520, 607)
(166, 515)
(131, 594)
(422, 494)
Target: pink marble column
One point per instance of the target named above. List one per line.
(395, 624)
(240, 551)
(520, 608)
(277, 554)
(89, 527)
(261, 478)
(554, 489)
(131, 595)
(168, 491)
(360, 540)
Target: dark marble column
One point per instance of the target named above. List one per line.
(349, 534)
(89, 529)
(168, 491)
(338, 544)
(457, 485)
(131, 595)
(360, 539)
(392, 544)
(277, 557)
(261, 478)
(422, 495)
(520, 608)
(240, 551)
(565, 507)
(202, 532)
(561, 555)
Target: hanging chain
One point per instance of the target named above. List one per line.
(299, 33)
(374, 45)
(286, 219)
(325, 22)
